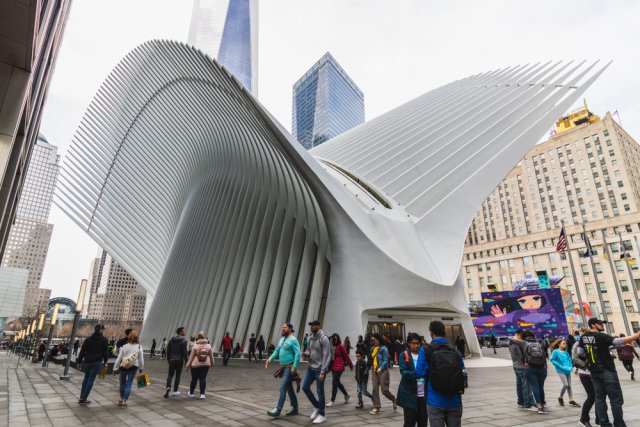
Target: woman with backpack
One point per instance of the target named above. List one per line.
(411, 392)
(561, 359)
(129, 360)
(200, 360)
(585, 378)
(535, 366)
(340, 360)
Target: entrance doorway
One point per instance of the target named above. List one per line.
(395, 329)
(452, 332)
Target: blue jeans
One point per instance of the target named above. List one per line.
(198, 374)
(286, 387)
(310, 376)
(126, 379)
(606, 384)
(362, 390)
(536, 378)
(91, 370)
(522, 388)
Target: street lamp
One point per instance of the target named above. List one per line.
(54, 319)
(37, 336)
(76, 319)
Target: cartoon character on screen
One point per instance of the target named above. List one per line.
(531, 309)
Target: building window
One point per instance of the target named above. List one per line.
(628, 305)
(469, 284)
(589, 287)
(635, 325)
(606, 132)
(624, 286)
(468, 269)
(620, 184)
(607, 307)
(619, 266)
(627, 208)
(585, 269)
(602, 287)
(598, 268)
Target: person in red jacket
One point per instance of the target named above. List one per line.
(227, 346)
(626, 354)
(340, 360)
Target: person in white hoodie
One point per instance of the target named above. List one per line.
(200, 360)
(133, 354)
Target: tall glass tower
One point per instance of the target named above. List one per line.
(227, 30)
(326, 103)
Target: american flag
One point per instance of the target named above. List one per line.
(561, 247)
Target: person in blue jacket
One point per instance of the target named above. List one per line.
(561, 360)
(442, 410)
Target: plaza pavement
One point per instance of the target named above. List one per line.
(241, 393)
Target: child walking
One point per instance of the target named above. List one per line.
(561, 359)
(362, 378)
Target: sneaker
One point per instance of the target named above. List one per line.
(585, 423)
(274, 413)
(359, 406)
(175, 394)
(314, 414)
(532, 409)
(166, 393)
(520, 406)
(329, 404)
(320, 419)
(189, 395)
(84, 401)
(202, 397)
(574, 404)
(560, 401)
(293, 411)
(375, 411)
(542, 411)
(346, 398)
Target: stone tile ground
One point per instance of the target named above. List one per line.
(240, 395)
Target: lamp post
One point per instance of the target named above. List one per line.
(54, 319)
(76, 319)
(37, 337)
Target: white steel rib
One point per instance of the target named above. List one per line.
(190, 184)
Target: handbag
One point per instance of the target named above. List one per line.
(103, 373)
(143, 380)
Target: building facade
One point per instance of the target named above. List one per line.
(13, 282)
(587, 173)
(95, 273)
(29, 42)
(227, 30)
(115, 294)
(326, 103)
(28, 243)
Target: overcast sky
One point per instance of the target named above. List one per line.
(394, 50)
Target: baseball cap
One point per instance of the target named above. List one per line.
(595, 320)
(99, 327)
(314, 323)
(290, 326)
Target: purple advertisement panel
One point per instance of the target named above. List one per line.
(541, 311)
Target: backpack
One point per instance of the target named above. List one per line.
(202, 353)
(578, 361)
(129, 361)
(535, 354)
(445, 369)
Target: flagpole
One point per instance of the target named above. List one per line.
(633, 282)
(575, 279)
(614, 273)
(595, 276)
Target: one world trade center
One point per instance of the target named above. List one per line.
(227, 30)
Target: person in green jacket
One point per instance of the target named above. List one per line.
(288, 352)
(411, 392)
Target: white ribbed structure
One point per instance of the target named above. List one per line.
(200, 194)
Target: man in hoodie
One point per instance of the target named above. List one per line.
(319, 359)
(177, 355)
(517, 347)
(93, 356)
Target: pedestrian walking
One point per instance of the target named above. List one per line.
(411, 391)
(561, 360)
(379, 361)
(163, 348)
(347, 345)
(595, 345)
(319, 356)
(122, 341)
(536, 369)
(252, 348)
(130, 360)
(626, 354)
(200, 360)
(93, 356)
(360, 345)
(177, 355)
(152, 351)
(288, 353)
(76, 346)
(362, 378)
(461, 345)
(442, 364)
(305, 342)
(341, 360)
(517, 347)
(493, 341)
(260, 346)
(585, 379)
(226, 347)
(191, 343)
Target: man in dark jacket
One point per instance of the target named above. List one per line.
(177, 356)
(93, 356)
(123, 341)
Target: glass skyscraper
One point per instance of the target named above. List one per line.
(326, 103)
(227, 30)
